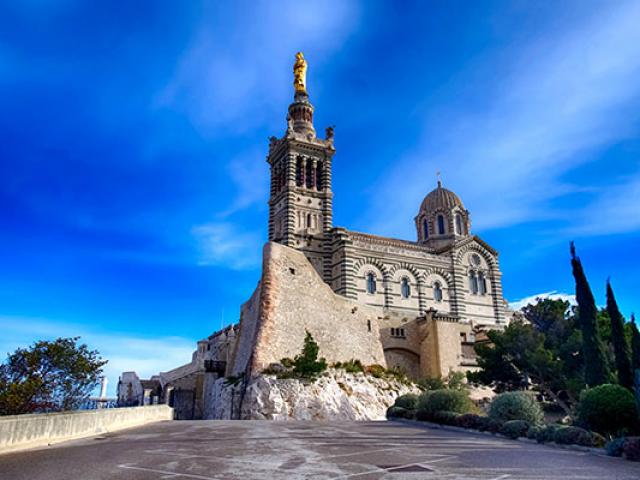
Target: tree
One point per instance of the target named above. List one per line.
(48, 376)
(596, 367)
(307, 363)
(517, 356)
(620, 346)
(635, 344)
(546, 313)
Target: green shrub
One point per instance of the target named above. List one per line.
(547, 433)
(515, 428)
(352, 366)
(307, 364)
(516, 406)
(444, 417)
(376, 371)
(408, 401)
(431, 383)
(469, 420)
(534, 432)
(615, 447)
(486, 424)
(444, 400)
(398, 412)
(607, 409)
(573, 436)
(287, 362)
(631, 449)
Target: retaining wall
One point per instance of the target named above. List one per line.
(18, 432)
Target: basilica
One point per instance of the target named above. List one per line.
(415, 305)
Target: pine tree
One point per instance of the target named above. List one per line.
(635, 344)
(596, 367)
(620, 346)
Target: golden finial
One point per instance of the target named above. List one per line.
(300, 74)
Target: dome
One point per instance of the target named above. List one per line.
(440, 199)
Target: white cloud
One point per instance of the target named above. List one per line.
(146, 356)
(534, 299)
(221, 243)
(562, 98)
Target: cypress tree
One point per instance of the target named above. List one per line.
(596, 367)
(620, 345)
(635, 344)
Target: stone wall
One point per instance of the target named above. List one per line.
(19, 432)
(292, 298)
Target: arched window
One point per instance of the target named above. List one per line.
(473, 282)
(319, 175)
(299, 172)
(405, 288)
(308, 175)
(482, 284)
(371, 283)
(309, 220)
(425, 229)
(440, 225)
(437, 292)
(458, 224)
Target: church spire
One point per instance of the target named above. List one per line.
(300, 118)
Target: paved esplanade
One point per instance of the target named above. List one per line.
(205, 450)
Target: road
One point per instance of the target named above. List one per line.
(207, 450)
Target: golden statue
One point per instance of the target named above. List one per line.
(300, 73)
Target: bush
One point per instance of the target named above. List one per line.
(431, 383)
(631, 449)
(547, 433)
(408, 401)
(351, 366)
(515, 428)
(573, 436)
(444, 400)
(307, 364)
(469, 420)
(534, 432)
(287, 362)
(444, 417)
(516, 406)
(607, 409)
(615, 447)
(486, 424)
(398, 412)
(376, 371)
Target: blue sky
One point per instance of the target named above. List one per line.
(133, 182)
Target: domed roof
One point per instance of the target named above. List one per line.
(440, 199)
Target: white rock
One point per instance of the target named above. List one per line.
(335, 396)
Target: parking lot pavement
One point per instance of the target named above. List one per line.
(207, 450)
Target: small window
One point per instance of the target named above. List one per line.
(308, 220)
(441, 225)
(425, 229)
(458, 224)
(405, 288)
(397, 332)
(371, 283)
(482, 284)
(473, 283)
(437, 292)
(369, 325)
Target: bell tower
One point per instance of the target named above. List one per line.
(301, 200)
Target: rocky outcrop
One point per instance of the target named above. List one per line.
(336, 395)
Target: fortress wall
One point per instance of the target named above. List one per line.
(293, 298)
(247, 331)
